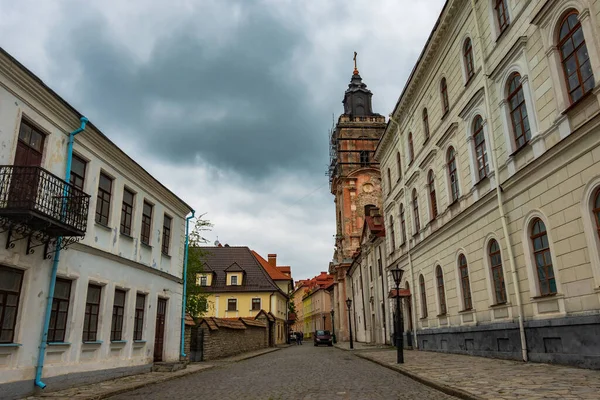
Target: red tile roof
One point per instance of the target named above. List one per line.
(274, 272)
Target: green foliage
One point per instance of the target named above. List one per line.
(196, 304)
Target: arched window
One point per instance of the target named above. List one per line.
(518, 111)
(480, 152)
(426, 124)
(398, 165)
(432, 198)
(497, 273)
(464, 282)
(389, 180)
(596, 211)
(453, 174)
(575, 58)
(402, 223)
(423, 297)
(439, 278)
(501, 14)
(392, 235)
(444, 92)
(416, 211)
(468, 56)
(542, 257)
(411, 151)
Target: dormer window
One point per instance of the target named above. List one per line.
(203, 281)
(234, 280)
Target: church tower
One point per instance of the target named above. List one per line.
(355, 182)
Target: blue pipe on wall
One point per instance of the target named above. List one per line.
(184, 300)
(44, 342)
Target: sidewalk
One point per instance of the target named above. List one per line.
(470, 377)
(105, 389)
(359, 346)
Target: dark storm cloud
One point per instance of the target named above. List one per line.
(234, 104)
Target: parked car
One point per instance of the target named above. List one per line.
(323, 337)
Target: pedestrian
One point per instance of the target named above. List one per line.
(298, 338)
(301, 337)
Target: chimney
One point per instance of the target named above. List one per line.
(272, 259)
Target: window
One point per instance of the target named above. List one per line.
(543, 258)
(364, 158)
(439, 276)
(10, 291)
(392, 235)
(60, 311)
(234, 280)
(204, 280)
(231, 304)
(501, 14)
(468, 56)
(432, 198)
(596, 211)
(453, 175)
(30, 145)
(423, 297)
(464, 282)
(117, 317)
(444, 92)
(92, 309)
(103, 201)
(575, 58)
(425, 125)
(140, 307)
(256, 304)
(166, 242)
(497, 273)
(371, 273)
(146, 223)
(398, 165)
(518, 111)
(480, 152)
(416, 211)
(127, 211)
(411, 151)
(78, 166)
(402, 223)
(389, 178)
(379, 263)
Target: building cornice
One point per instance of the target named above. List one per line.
(519, 45)
(428, 158)
(446, 136)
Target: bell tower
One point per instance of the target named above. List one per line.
(355, 182)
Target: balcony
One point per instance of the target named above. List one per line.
(39, 206)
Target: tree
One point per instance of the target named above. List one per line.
(196, 304)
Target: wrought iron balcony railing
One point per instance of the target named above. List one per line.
(40, 203)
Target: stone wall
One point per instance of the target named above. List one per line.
(227, 338)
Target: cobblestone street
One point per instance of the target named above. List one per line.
(298, 372)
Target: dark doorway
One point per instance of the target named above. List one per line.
(159, 336)
(24, 182)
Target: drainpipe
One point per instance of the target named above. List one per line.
(184, 297)
(503, 217)
(44, 342)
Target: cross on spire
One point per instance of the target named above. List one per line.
(355, 69)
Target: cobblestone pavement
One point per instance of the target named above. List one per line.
(488, 378)
(298, 372)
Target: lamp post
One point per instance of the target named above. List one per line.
(397, 275)
(349, 304)
(333, 326)
(323, 321)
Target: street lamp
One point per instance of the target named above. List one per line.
(397, 275)
(333, 325)
(349, 304)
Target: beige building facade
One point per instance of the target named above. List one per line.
(494, 153)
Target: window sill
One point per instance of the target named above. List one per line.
(96, 342)
(423, 318)
(445, 114)
(470, 79)
(10, 344)
(454, 203)
(426, 141)
(575, 104)
(416, 234)
(231, 311)
(514, 153)
(442, 315)
(467, 311)
(485, 178)
(546, 296)
(129, 237)
(58, 343)
(116, 342)
(139, 342)
(500, 305)
(105, 227)
(165, 254)
(502, 33)
(146, 245)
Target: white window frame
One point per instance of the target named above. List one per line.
(236, 305)
(447, 173)
(589, 225)
(494, 18)
(231, 283)
(463, 64)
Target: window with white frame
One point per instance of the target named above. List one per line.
(231, 304)
(575, 58)
(501, 14)
(402, 223)
(415, 201)
(468, 59)
(518, 111)
(444, 95)
(542, 258)
(452, 174)
(423, 296)
(480, 150)
(392, 235)
(411, 150)
(439, 282)
(465, 283)
(497, 272)
(398, 165)
(425, 125)
(432, 197)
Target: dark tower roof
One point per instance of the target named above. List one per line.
(357, 99)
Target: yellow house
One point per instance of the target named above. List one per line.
(238, 286)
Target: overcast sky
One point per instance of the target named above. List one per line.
(227, 102)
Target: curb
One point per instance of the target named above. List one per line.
(461, 394)
(251, 356)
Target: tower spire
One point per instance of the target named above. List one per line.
(355, 69)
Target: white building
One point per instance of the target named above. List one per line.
(494, 152)
(118, 297)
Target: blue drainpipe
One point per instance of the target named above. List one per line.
(44, 343)
(185, 261)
